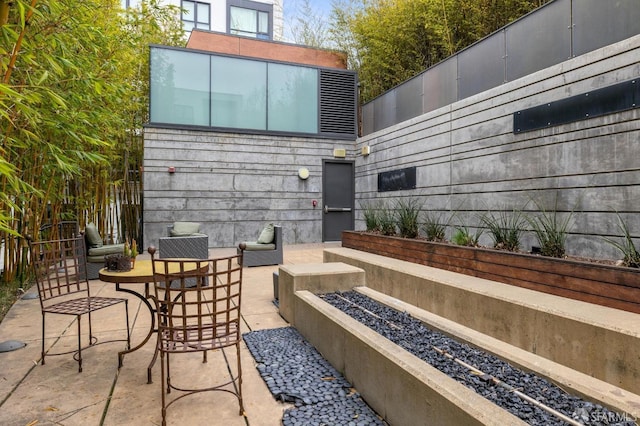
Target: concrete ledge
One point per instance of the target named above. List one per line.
(317, 278)
(597, 341)
(397, 385)
(570, 380)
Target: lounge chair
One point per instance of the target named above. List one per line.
(97, 250)
(265, 251)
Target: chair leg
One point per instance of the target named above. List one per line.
(90, 329)
(239, 384)
(42, 351)
(168, 373)
(78, 318)
(163, 389)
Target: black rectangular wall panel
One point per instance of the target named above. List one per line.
(396, 180)
(608, 100)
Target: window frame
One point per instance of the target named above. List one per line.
(254, 6)
(195, 22)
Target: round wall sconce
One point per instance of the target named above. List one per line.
(303, 173)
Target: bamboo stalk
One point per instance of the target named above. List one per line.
(18, 45)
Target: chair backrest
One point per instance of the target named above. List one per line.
(60, 230)
(277, 235)
(198, 317)
(59, 267)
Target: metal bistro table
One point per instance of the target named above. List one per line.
(141, 274)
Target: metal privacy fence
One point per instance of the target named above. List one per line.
(556, 32)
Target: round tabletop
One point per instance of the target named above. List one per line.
(141, 273)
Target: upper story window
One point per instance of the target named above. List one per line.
(195, 15)
(251, 19)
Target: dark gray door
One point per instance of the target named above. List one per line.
(338, 198)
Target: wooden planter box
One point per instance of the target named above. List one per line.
(613, 286)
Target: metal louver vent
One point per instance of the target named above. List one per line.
(338, 103)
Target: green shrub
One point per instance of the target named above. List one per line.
(407, 214)
(550, 230)
(387, 221)
(631, 257)
(371, 212)
(464, 237)
(433, 227)
(506, 228)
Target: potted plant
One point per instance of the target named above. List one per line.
(130, 252)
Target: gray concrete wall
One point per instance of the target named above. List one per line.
(467, 157)
(233, 184)
(469, 160)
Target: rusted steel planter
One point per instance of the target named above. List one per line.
(613, 286)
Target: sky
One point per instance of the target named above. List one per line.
(321, 9)
(321, 6)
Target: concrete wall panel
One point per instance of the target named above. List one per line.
(233, 184)
(468, 149)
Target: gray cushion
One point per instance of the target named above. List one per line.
(255, 246)
(93, 236)
(267, 234)
(97, 254)
(108, 249)
(181, 229)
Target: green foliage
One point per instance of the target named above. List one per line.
(631, 256)
(371, 212)
(387, 221)
(506, 228)
(73, 98)
(434, 227)
(407, 213)
(463, 236)
(389, 41)
(551, 230)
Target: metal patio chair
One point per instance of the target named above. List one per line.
(198, 318)
(60, 270)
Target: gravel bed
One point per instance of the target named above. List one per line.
(295, 372)
(412, 335)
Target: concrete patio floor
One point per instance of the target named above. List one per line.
(56, 394)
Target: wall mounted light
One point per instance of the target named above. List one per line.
(171, 169)
(366, 150)
(339, 152)
(303, 173)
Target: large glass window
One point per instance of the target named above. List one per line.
(249, 22)
(211, 90)
(195, 15)
(293, 98)
(239, 93)
(179, 87)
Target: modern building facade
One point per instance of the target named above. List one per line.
(243, 132)
(542, 114)
(271, 137)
